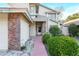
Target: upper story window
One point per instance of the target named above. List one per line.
(51, 15)
(37, 9)
(32, 9)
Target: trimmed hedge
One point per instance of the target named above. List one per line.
(45, 37)
(73, 30)
(62, 46)
(55, 30)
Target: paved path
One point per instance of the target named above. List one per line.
(39, 49)
(13, 53)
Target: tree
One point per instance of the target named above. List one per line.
(73, 30)
(55, 30)
(72, 17)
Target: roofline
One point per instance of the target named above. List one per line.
(49, 8)
(46, 7)
(53, 21)
(26, 13)
(10, 8)
(47, 18)
(29, 17)
(71, 21)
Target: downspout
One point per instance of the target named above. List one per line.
(47, 25)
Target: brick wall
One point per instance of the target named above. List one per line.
(14, 31)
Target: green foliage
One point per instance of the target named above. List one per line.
(55, 30)
(62, 46)
(73, 30)
(77, 33)
(45, 37)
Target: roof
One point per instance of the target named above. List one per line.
(17, 5)
(13, 5)
(15, 8)
(46, 7)
(49, 8)
(28, 16)
(53, 21)
(71, 21)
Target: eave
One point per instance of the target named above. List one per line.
(17, 10)
(71, 21)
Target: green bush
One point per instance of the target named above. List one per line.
(45, 37)
(73, 30)
(62, 46)
(77, 33)
(55, 30)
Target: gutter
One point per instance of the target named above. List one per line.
(53, 21)
(49, 8)
(28, 16)
(15, 10)
(45, 17)
(71, 21)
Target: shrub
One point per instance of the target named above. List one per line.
(45, 37)
(55, 30)
(73, 30)
(62, 46)
(77, 33)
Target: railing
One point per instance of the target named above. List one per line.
(38, 16)
(42, 17)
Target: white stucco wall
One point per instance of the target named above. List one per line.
(33, 29)
(51, 23)
(18, 5)
(43, 10)
(3, 31)
(65, 30)
(24, 30)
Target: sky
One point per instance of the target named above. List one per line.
(3, 5)
(68, 8)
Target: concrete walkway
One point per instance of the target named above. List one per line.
(39, 49)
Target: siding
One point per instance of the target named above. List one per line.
(33, 29)
(24, 30)
(3, 31)
(51, 23)
(65, 30)
(43, 10)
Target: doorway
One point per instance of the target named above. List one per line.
(39, 28)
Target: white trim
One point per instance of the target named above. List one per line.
(71, 21)
(16, 10)
(8, 10)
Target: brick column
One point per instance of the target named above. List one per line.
(13, 31)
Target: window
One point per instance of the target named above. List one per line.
(32, 10)
(52, 15)
(37, 9)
